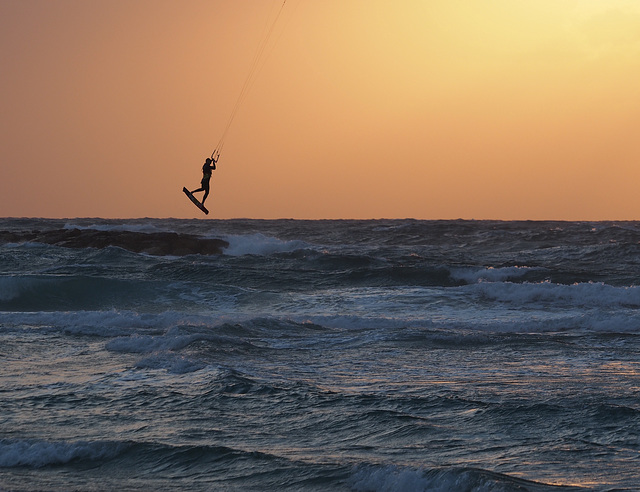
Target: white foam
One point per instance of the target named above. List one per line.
(142, 344)
(43, 453)
(485, 306)
(591, 294)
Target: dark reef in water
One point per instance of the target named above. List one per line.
(156, 243)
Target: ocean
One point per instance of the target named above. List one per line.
(380, 355)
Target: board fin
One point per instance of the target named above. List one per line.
(195, 201)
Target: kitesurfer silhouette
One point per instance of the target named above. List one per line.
(208, 167)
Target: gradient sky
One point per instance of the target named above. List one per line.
(432, 109)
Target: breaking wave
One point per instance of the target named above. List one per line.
(37, 454)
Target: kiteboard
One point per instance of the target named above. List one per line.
(195, 201)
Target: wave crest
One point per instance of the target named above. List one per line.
(38, 454)
(390, 478)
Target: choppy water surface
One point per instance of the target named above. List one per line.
(320, 355)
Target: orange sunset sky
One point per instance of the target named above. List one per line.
(431, 109)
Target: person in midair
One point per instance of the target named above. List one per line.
(208, 167)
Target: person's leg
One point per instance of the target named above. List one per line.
(196, 191)
(206, 194)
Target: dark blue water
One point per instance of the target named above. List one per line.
(320, 355)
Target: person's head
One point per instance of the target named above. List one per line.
(208, 161)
